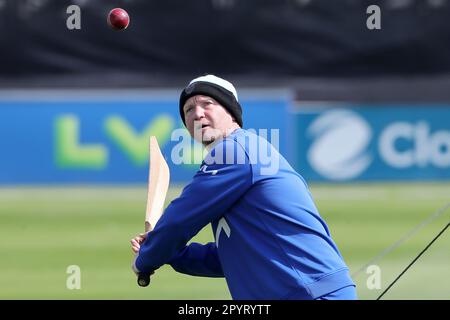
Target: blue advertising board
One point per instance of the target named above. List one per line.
(102, 136)
(353, 142)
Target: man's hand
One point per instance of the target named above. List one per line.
(135, 246)
(143, 278)
(136, 242)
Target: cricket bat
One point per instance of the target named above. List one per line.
(158, 183)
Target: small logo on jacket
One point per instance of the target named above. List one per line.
(203, 169)
(222, 225)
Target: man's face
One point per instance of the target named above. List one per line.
(206, 120)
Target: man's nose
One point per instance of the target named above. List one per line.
(199, 112)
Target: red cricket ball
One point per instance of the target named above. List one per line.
(118, 19)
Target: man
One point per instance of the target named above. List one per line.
(270, 241)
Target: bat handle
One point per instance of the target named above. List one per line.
(143, 279)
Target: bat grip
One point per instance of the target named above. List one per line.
(143, 279)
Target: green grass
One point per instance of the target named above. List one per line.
(43, 230)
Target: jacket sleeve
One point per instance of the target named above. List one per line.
(198, 260)
(213, 190)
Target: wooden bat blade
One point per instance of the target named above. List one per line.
(158, 184)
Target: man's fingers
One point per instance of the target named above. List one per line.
(142, 236)
(136, 242)
(139, 238)
(135, 245)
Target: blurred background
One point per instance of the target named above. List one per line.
(363, 114)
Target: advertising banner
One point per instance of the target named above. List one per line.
(102, 136)
(350, 142)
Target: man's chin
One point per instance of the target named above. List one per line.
(209, 135)
(207, 140)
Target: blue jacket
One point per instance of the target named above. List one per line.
(270, 241)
